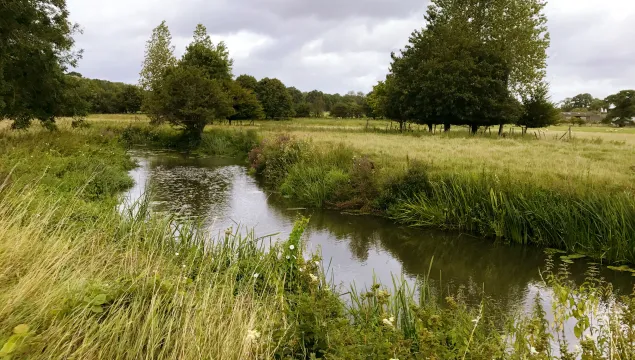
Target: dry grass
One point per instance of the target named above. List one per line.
(51, 274)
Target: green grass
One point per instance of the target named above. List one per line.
(81, 280)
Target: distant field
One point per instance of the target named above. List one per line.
(598, 157)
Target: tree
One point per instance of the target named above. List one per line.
(212, 59)
(297, 97)
(315, 99)
(517, 30)
(341, 110)
(275, 99)
(582, 101)
(538, 110)
(622, 111)
(247, 81)
(303, 110)
(598, 105)
(245, 103)
(159, 57)
(36, 42)
(377, 100)
(131, 98)
(191, 100)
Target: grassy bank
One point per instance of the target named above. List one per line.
(81, 280)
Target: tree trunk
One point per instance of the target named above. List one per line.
(474, 128)
(402, 124)
(429, 128)
(447, 127)
(501, 128)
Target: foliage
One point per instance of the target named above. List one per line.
(538, 110)
(622, 112)
(159, 57)
(303, 110)
(275, 99)
(245, 103)
(212, 59)
(36, 42)
(191, 100)
(247, 81)
(341, 110)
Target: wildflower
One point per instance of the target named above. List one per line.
(533, 350)
(313, 278)
(177, 254)
(183, 266)
(292, 247)
(390, 322)
(252, 335)
(256, 275)
(288, 257)
(317, 263)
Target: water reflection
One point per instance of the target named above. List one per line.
(221, 194)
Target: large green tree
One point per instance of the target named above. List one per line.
(159, 57)
(622, 108)
(200, 89)
(275, 99)
(35, 50)
(191, 100)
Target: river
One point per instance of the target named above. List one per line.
(220, 193)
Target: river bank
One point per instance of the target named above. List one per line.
(71, 261)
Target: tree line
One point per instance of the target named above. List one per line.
(200, 87)
(619, 107)
(475, 63)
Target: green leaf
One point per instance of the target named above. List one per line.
(97, 309)
(9, 346)
(623, 268)
(21, 329)
(577, 330)
(572, 257)
(100, 299)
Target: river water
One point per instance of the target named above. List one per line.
(221, 194)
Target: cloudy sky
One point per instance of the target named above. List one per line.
(342, 45)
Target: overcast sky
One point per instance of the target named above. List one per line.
(342, 45)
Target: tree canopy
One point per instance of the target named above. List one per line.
(275, 99)
(37, 48)
(622, 112)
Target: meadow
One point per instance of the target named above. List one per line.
(81, 279)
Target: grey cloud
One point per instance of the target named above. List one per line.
(352, 39)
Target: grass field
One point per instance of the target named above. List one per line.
(81, 280)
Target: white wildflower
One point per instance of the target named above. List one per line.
(313, 278)
(256, 275)
(177, 254)
(252, 336)
(288, 257)
(292, 247)
(533, 350)
(390, 322)
(183, 266)
(317, 263)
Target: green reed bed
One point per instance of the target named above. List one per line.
(600, 224)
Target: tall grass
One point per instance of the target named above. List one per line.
(81, 280)
(599, 223)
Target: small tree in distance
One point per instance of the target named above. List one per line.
(341, 110)
(538, 110)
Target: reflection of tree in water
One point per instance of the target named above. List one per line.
(186, 187)
(456, 260)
